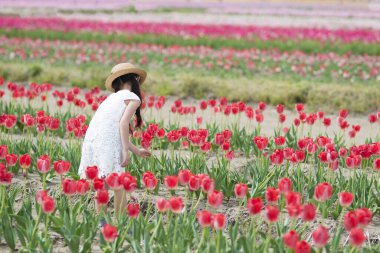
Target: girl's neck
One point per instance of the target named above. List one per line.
(125, 87)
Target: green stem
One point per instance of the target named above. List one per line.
(44, 181)
(199, 199)
(121, 204)
(353, 249)
(156, 229)
(175, 233)
(46, 226)
(36, 227)
(3, 198)
(253, 234)
(268, 238)
(202, 240)
(218, 241)
(122, 238)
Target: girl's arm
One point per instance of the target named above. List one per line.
(130, 110)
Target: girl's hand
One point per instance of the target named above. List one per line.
(143, 153)
(125, 158)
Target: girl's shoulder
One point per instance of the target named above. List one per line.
(128, 95)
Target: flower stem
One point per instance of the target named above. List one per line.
(268, 238)
(44, 181)
(46, 225)
(3, 197)
(218, 241)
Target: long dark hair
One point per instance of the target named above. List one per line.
(133, 80)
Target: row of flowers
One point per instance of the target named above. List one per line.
(190, 30)
(354, 221)
(329, 65)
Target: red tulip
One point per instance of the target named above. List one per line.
(48, 204)
(92, 172)
(40, 196)
(109, 233)
(98, 184)
(5, 177)
(184, 176)
(43, 163)
(11, 160)
(350, 220)
(290, 239)
(326, 122)
(149, 180)
(312, 148)
(300, 107)
(112, 181)
(346, 198)
(219, 221)
(376, 164)
(294, 210)
(284, 185)
(293, 198)
(279, 141)
(203, 105)
(321, 114)
(185, 144)
(320, 236)
(372, 118)
(272, 195)
(207, 184)
(176, 204)
(161, 204)
(102, 197)
(261, 142)
(280, 108)
(82, 186)
(296, 122)
(302, 247)
(171, 182)
(3, 167)
(323, 192)
(128, 181)
(69, 186)
(364, 216)
(308, 212)
(3, 151)
(262, 106)
(343, 113)
(194, 183)
(204, 218)
(215, 198)
(342, 152)
(254, 205)
(25, 161)
(272, 213)
(357, 237)
(133, 210)
(241, 190)
(229, 155)
(61, 167)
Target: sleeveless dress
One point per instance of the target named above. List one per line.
(102, 143)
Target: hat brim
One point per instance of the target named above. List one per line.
(113, 76)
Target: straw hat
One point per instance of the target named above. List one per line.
(122, 69)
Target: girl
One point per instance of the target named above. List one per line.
(106, 144)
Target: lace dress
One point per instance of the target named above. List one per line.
(102, 144)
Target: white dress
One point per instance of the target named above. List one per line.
(102, 144)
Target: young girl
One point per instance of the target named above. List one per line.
(106, 144)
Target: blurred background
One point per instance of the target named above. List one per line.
(324, 53)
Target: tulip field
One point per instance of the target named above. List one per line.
(217, 181)
(263, 139)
